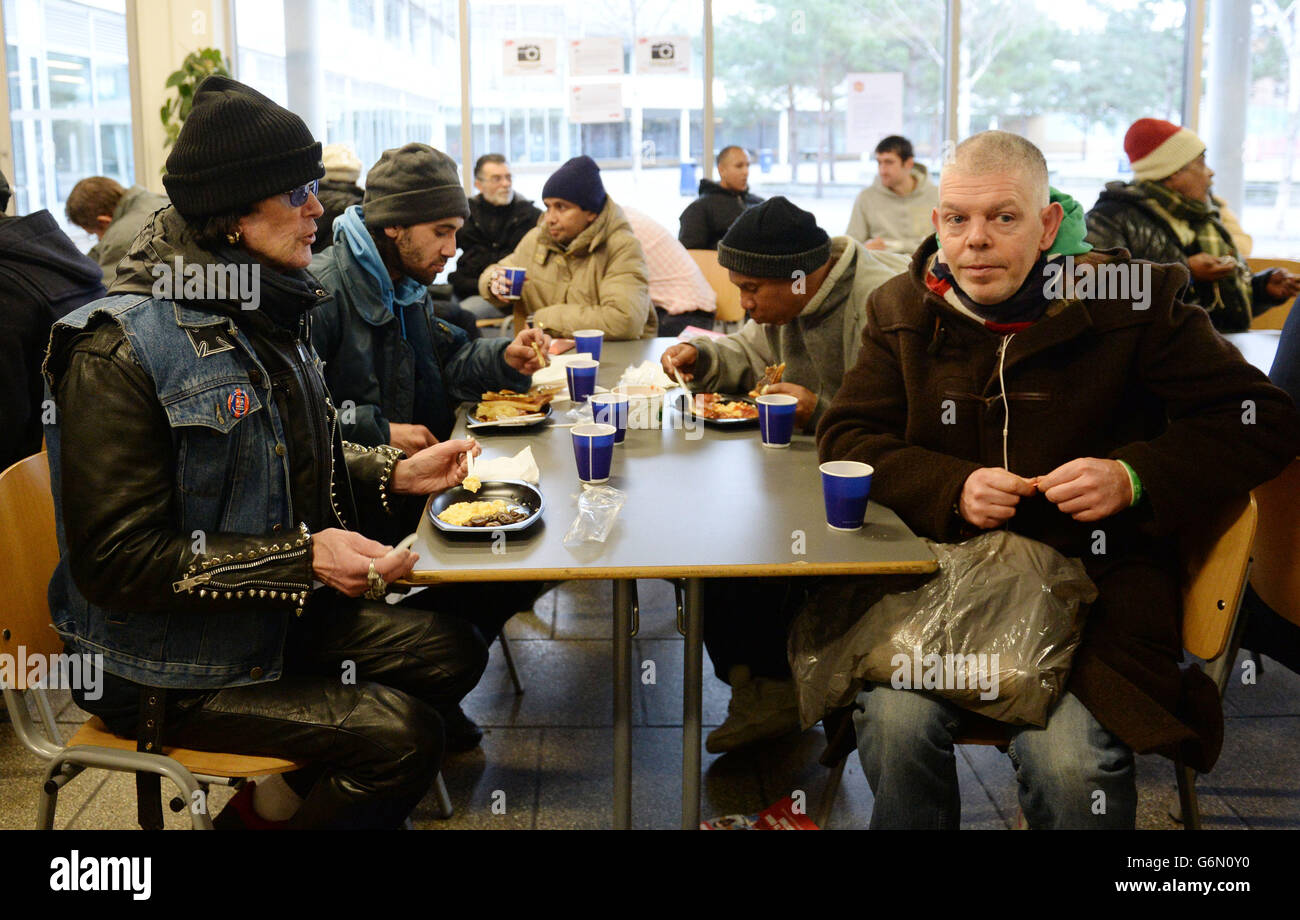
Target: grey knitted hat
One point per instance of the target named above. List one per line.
(414, 184)
(774, 240)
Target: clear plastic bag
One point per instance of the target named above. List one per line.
(994, 631)
(598, 508)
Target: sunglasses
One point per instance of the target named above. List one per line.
(298, 196)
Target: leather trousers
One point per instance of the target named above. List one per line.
(357, 702)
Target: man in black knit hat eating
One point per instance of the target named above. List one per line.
(806, 297)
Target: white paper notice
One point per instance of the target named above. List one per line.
(663, 54)
(875, 109)
(523, 56)
(591, 103)
(595, 57)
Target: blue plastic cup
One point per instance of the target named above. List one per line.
(593, 449)
(776, 418)
(589, 341)
(515, 278)
(845, 487)
(611, 409)
(582, 378)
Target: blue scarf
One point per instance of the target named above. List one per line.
(350, 228)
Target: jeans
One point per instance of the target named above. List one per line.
(1071, 774)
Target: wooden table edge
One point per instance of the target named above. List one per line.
(589, 573)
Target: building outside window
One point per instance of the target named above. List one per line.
(69, 100)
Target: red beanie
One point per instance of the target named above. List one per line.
(1158, 148)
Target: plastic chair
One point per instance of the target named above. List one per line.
(28, 555)
(1215, 565)
(729, 309)
(1274, 317)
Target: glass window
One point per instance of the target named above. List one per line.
(1074, 84)
(1263, 51)
(394, 20)
(528, 115)
(810, 89)
(74, 155)
(15, 76)
(69, 80)
(361, 14)
(116, 152)
(69, 100)
(385, 84)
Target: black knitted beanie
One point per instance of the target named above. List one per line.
(774, 240)
(235, 148)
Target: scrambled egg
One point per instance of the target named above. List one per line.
(461, 513)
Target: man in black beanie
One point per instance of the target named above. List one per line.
(222, 548)
(585, 268)
(806, 296)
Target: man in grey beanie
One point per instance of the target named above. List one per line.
(806, 296)
(395, 370)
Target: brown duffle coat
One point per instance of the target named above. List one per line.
(1155, 387)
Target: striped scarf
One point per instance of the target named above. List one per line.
(1198, 227)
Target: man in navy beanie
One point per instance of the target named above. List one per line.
(585, 268)
(806, 297)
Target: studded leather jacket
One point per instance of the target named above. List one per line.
(195, 452)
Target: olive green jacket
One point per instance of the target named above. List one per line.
(598, 281)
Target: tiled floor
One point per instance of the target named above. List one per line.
(546, 759)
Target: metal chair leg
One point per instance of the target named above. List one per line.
(1188, 806)
(445, 809)
(510, 664)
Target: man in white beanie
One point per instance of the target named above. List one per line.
(1167, 214)
(338, 190)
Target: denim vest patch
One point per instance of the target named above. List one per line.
(229, 478)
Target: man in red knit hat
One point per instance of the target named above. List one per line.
(1167, 214)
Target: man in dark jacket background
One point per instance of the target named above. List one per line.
(1122, 420)
(707, 218)
(396, 371)
(42, 277)
(498, 219)
(1167, 214)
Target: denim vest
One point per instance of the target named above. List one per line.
(229, 479)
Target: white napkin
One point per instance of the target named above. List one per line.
(554, 372)
(520, 466)
(647, 373)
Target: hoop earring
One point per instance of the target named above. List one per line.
(234, 238)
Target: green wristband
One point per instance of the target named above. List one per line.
(1133, 481)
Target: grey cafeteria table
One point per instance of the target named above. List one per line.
(702, 502)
